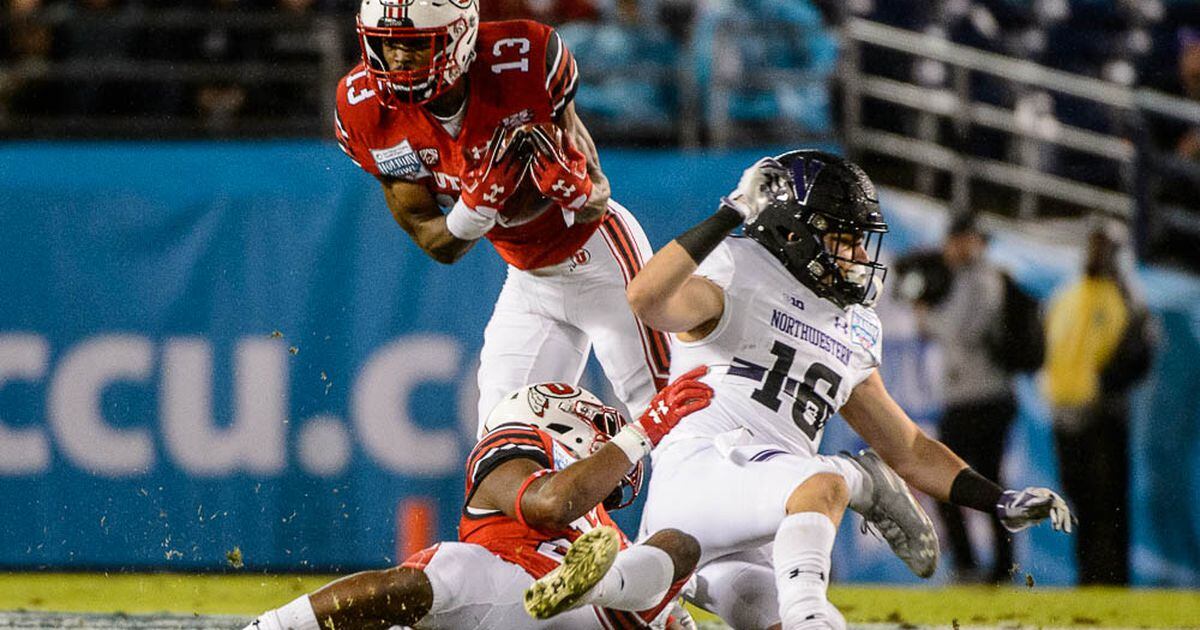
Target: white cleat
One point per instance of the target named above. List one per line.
(897, 516)
(586, 562)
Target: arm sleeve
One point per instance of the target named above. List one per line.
(562, 74)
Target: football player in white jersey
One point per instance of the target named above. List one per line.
(783, 319)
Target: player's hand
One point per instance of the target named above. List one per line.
(685, 396)
(491, 180)
(761, 184)
(1019, 509)
(559, 169)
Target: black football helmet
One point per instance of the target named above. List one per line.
(823, 208)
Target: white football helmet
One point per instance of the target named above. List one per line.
(446, 29)
(576, 419)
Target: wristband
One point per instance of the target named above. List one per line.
(521, 493)
(633, 441)
(699, 241)
(469, 224)
(973, 490)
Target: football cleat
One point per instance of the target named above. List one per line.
(582, 568)
(895, 514)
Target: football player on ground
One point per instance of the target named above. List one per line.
(535, 482)
(447, 112)
(783, 319)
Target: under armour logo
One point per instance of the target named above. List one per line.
(841, 324)
(562, 187)
(795, 573)
(477, 152)
(658, 411)
(491, 197)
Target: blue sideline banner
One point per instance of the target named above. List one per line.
(210, 347)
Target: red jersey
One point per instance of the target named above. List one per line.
(536, 551)
(522, 73)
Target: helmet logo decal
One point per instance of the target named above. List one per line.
(538, 403)
(395, 12)
(557, 390)
(804, 173)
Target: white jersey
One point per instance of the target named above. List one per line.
(781, 359)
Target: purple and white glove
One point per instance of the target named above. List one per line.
(1019, 509)
(760, 184)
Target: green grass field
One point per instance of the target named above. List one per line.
(248, 595)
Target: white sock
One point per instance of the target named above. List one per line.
(638, 580)
(295, 615)
(801, 558)
(860, 491)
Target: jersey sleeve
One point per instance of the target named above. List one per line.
(562, 74)
(514, 441)
(356, 153)
(352, 92)
(866, 337)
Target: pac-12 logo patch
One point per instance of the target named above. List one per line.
(430, 156)
(397, 161)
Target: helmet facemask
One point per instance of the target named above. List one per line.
(443, 43)
(850, 263)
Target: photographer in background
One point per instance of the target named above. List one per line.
(1100, 343)
(959, 299)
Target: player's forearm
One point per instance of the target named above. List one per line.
(573, 491)
(929, 466)
(597, 203)
(435, 239)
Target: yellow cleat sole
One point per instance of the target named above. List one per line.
(586, 562)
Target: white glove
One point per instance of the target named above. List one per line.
(674, 617)
(762, 183)
(1020, 509)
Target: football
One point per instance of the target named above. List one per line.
(525, 205)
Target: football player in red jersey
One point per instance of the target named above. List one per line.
(448, 112)
(535, 482)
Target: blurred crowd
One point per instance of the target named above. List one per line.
(1153, 44)
(89, 62)
(262, 67)
(661, 71)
